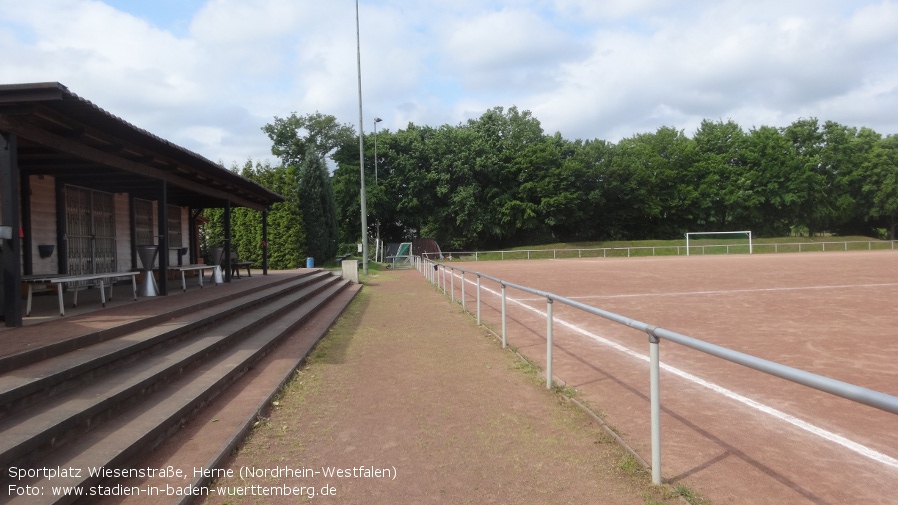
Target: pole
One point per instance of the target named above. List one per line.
(655, 405)
(504, 327)
(358, 49)
(377, 240)
(478, 299)
(549, 319)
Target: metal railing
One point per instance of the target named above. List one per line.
(672, 250)
(436, 275)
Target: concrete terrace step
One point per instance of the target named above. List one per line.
(39, 380)
(77, 332)
(34, 431)
(211, 437)
(135, 431)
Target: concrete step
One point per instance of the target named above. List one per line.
(33, 432)
(35, 382)
(78, 337)
(115, 443)
(209, 439)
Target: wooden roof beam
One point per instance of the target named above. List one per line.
(93, 154)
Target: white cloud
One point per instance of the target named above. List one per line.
(730, 60)
(587, 69)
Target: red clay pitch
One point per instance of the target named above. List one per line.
(734, 434)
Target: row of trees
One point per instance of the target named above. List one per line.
(499, 181)
(305, 224)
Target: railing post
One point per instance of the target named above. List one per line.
(452, 284)
(504, 326)
(463, 306)
(478, 299)
(654, 379)
(549, 343)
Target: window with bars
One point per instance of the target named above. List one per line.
(90, 230)
(143, 222)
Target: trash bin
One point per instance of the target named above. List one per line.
(310, 262)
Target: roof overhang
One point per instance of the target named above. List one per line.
(62, 135)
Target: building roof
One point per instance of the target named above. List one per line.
(63, 135)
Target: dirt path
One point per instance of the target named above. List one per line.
(426, 408)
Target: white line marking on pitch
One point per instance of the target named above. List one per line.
(723, 292)
(804, 425)
(758, 290)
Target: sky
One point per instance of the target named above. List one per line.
(209, 74)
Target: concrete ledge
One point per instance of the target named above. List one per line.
(351, 270)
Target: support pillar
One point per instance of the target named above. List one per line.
(264, 242)
(162, 214)
(195, 236)
(10, 249)
(226, 257)
(27, 241)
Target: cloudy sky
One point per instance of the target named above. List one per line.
(208, 74)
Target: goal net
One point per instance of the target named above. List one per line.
(719, 242)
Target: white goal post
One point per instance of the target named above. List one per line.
(746, 232)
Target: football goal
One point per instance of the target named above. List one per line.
(716, 244)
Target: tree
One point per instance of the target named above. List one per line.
(647, 190)
(882, 183)
(572, 194)
(724, 195)
(316, 196)
(286, 229)
(286, 233)
(294, 136)
(816, 207)
(302, 143)
(772, 167)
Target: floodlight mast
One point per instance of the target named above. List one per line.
(358, 50)
(377, 246)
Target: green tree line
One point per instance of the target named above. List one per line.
(305, 224)
(499, 181)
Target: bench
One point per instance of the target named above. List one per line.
(60, 279)
(201, 268)
(236, 265)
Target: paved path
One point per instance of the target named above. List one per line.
(419, 405)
